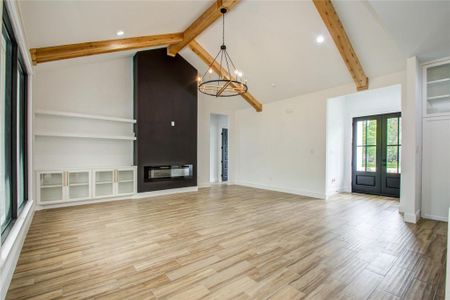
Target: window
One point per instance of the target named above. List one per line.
(13, 129)
(366, 139)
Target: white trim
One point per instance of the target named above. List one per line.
(204, 185)
(82, 116)
(16, 20)
(434, 217)
(166, 192)
(11, 248)
(411, 217)
(283, 190)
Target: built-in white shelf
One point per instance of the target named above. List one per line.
(104, 182)
(82, 116)
(51, 186)
(79, 184)
(124, 181)
(439, 81)
(86, 136)
(439, 97)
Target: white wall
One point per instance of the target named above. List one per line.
(217, 123)
(284, 147)
(411, 183)
(103, 87)
(208, 105)
(340, 114)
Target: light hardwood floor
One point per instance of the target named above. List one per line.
(232, 242)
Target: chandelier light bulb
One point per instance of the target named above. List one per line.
(236, 71)
(210, 71)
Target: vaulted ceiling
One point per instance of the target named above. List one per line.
(273, 42)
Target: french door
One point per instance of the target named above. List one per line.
(377, 146)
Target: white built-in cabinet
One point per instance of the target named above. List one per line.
(61, 186)
(436, 140)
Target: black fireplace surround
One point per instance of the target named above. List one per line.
(165, 108)
(168, 172)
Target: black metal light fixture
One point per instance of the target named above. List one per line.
(229, 80)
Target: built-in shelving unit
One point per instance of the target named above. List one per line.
(65, 186)
(436, 89)
(82, 116)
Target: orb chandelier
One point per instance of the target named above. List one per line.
(229, 80)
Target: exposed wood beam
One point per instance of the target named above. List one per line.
(40, 55)
(201, 23)
(337, 31)
(208, 60)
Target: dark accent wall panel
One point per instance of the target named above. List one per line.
(165, 90)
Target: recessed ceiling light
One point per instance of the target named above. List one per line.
(120, 33)
(274, 84)
(320, 39)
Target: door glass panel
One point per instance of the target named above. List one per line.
(361, 159)
(371, 132)
(371, 159)
(391, 159)
(399, 159)
(392, 131)
(360, 133)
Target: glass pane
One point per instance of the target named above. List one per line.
(392, 131)
(5, 130)
(21, 123)
(360, 159)
(371, 132)
(371, 159)
(399, 159)
(360, 133)
(399, 130)
(391, 159)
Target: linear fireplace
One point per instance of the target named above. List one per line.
(168, 172)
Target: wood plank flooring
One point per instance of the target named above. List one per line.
(232, 242)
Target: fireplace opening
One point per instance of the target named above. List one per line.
(168, 172)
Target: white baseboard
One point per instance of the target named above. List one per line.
(283, 190)
(204, 184)
(435, 217)
(11, 248)
(165, 192)
(411, 217)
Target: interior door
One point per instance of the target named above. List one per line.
(376, 155)
(224, 151)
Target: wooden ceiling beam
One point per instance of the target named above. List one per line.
(46, 54)
(201, 23)
(337, 32)
(208, 60)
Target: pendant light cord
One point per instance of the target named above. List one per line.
(223, 29)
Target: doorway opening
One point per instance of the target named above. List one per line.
(343, 113)
(219, 156)
(376, 166)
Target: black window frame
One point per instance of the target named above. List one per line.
(12, 125)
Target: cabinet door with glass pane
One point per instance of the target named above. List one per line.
(78, 185)
(125, 178)
(51, 186)
(104, 182)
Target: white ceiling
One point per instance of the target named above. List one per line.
(273, 42)
(422, 28)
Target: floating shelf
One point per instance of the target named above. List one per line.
(82, 116)
(84, 136)
(125, 181)
(439, 97)
(439, 81)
